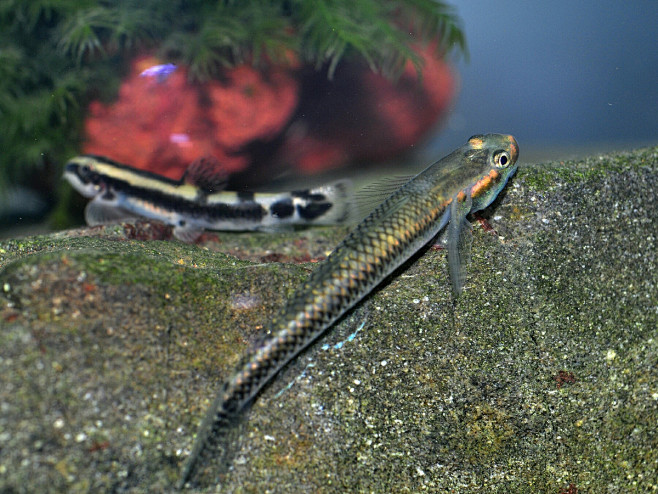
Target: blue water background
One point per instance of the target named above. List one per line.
(564, 77)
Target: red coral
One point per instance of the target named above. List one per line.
(163, 125)
(248, 106)
(408, 108)
(361, 116)
(268, 120)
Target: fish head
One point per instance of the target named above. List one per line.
(499, 152)
(82, 173)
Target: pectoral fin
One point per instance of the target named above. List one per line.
(459, 241)
(99, 212)
(187, 233)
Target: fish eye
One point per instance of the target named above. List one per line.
(502, 159)
(84, 173)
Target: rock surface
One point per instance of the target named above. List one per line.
(541, 377)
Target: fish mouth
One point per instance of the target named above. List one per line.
(82, 185)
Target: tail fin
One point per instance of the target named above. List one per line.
(217, 437)
(328, 204)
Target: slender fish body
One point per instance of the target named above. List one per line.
(197, 201)
(466, 180)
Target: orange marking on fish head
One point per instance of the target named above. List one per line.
(476, 142)
(514, 148)
(484, 183)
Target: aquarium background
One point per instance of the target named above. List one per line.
(566, 78)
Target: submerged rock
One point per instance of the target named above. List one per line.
(541, 377)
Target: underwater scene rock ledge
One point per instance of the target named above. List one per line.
(541, 377)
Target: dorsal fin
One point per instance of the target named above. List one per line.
(207, 173)
(373, 194)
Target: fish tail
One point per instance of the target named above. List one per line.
(219, 429)
(340, 195)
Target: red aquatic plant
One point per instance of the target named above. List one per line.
(361, 116)
(268, 120)
(163, 123)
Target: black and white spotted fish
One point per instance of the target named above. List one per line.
(197, 201)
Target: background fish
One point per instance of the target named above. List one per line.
(197, 201)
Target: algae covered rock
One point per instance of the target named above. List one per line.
(541, 377)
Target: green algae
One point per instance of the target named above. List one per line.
(547, 175)
(117, 348)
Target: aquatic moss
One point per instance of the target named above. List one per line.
(551, 174)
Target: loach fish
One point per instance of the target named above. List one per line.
(467, 180)
(197, 201)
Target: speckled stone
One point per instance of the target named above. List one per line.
(541, 377)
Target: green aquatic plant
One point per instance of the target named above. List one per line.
(57, 55)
